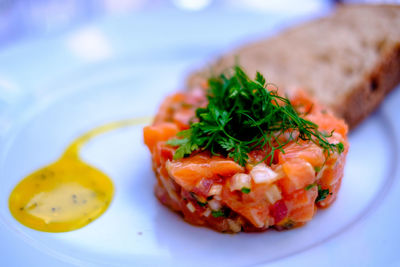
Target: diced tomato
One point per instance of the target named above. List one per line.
(279, 211)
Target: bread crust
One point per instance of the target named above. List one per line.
(367, 97)
(358, 100)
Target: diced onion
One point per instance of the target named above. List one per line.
(207, 213)
(214, 204)
(321, 173)
(258, 222)
(234, 226)
(240, 180)
(169, 187)
(261, 173)
(190, 207)
(273, 194)
(215, 190)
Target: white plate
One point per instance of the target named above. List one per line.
(40, 120)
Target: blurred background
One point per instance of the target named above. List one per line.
(44, 43)
(21, 19)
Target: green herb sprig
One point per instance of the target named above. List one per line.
(241, 116)
(322, 194)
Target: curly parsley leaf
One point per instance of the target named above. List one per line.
(241, 116)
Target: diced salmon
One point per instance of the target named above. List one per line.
(187, 172)
(185, 184)
(159, 132)
(328, 122)
(224, 167)
(303, 214)
(256, 211)
(183, 117)
(301, 204)
(303, 102)
(257, 214)
(168, 107)
(309, 151)
(299, 173)
(334, 169)
(163, 152)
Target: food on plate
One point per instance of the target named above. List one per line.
(348, 61)
(67, 194)
(238, 156)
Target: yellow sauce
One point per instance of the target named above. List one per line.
(67, 194)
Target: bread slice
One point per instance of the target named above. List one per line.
(349, 60)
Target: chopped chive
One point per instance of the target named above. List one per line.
(308, 187)
(217, 213)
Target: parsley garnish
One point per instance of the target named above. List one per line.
(245, 190)
(241, 116)
(322, 194)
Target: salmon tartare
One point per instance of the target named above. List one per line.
(237, 156)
